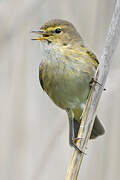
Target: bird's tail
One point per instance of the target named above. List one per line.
(98, 128)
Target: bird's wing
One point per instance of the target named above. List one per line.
(40, 75)
(92, 55)
(81, 54)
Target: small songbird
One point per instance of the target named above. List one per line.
(66, 71)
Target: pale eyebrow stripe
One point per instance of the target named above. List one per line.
(53, 28)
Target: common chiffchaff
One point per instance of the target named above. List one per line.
(66, 71)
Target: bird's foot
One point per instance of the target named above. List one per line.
(75, 146)
(94, 81)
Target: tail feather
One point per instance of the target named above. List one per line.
(97, 130)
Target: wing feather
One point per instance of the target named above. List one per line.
(40, 75)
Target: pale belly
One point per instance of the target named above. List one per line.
(68, 87)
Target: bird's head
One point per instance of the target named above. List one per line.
(59, 32)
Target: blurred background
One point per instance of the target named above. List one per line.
(33, 131)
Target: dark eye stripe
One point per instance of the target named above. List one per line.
(58, 30)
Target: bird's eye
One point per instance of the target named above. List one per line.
(58, 30)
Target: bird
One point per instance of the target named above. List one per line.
(66, 71)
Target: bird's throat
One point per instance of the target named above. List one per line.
(51, 52)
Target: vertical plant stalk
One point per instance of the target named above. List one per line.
(87, 122)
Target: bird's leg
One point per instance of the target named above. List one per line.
(72, 138)
(94, 81)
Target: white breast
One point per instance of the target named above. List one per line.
(50, 51)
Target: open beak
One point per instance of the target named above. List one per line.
(40, 32)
